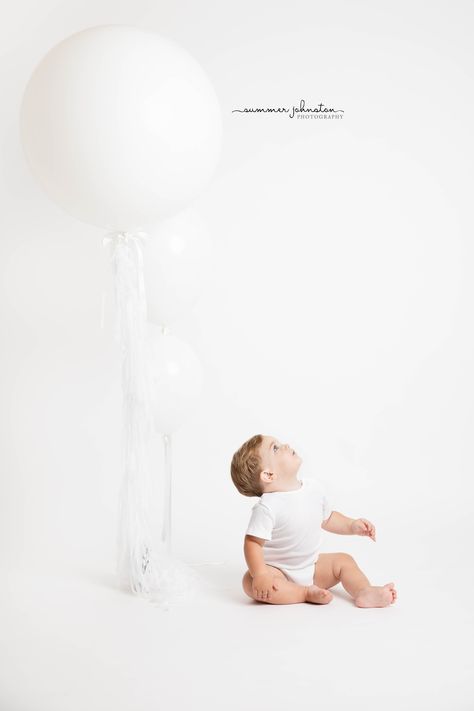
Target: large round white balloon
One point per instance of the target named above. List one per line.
(176, 379)
(177, 262)
(120, 126)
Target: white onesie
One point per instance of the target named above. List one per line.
(290, 523)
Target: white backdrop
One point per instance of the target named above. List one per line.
(339, 312)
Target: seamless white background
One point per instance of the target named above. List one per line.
(338, 317)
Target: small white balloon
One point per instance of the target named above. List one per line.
(120, 125)
(176, 379)
(177, 261)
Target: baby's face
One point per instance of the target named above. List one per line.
(280, 459)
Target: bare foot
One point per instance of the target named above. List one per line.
(318, 595)
(376, 596)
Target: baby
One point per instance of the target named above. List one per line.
(283, 537)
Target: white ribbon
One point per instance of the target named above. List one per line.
(119, 239)
(134, 538)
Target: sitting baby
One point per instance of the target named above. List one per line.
(283, 537)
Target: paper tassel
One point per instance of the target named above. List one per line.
(142, 566)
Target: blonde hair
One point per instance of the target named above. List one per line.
(246, 466)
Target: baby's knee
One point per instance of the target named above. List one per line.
(344, 559)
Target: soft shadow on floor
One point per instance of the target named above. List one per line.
(214, 580)
(339, 592)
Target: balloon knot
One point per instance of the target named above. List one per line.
(124, 237)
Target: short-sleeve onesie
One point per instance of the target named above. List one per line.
(290, 523)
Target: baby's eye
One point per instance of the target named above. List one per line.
(275, 445)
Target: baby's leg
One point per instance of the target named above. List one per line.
(333, 567)
(288, 592)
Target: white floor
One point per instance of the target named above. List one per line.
(74, 642)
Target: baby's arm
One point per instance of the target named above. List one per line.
(338, 523)
(253, 551)
(263, 582)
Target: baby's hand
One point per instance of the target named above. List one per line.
(362, 527)
(263, 585)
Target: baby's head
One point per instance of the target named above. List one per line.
(262, 464)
